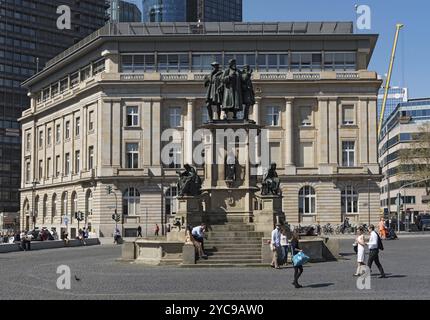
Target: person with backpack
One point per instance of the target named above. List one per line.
(375, 244)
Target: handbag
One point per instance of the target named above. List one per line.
(355, 246)
(300, 259)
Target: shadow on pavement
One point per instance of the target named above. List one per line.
(319, 285)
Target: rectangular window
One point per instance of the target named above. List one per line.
(348, 153)
(306, 116)
(67, 130)
(48, 167)
(348, 115)
(137, 63)
(74, 79)
(57, 166)
(64, 85)
(40, 170)
(132, 155)
(85, 73)
(98, 66)
(306, 61)
(90, 157)
(175, 156)
(272, 116)
(91, 121)
(202, 62)
(27, 172)
(342, 61)
(77, 161)
(28, 141)
(132, 116)
(57, 133)
(175, 117)
(40, 139)
(54, 90)
(67, 164)
(77, 127)
(49, 137)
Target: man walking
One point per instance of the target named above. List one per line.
(276, 246)
(139, 231)
(157, 229)
(375, 244)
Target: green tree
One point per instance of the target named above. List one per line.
(415, 160)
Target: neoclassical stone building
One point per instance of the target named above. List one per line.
(99, 110)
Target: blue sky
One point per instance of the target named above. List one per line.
(412, 67)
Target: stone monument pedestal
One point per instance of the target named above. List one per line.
(190, 213)
(268, 214)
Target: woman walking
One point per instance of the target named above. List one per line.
(359, 242)
(284, 245)
(381, 227)
(298, 270)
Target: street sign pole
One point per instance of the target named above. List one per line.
(398, 211)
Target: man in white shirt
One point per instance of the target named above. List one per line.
(374, 251)
(276, 246)
(198, 233)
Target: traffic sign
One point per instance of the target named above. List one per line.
(66, 221)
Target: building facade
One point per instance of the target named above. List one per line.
(28, 39)
(192, 10)
(396, 95)
(117, 95)
(123, 11)
(399, 132)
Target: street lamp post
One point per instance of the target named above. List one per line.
(368, 201)
(33, 189)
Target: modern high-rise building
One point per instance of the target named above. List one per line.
(399, 132)
(192, 10)
(29, 37)
(396, 95)
(124, 11)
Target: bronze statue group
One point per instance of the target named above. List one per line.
(230, 91)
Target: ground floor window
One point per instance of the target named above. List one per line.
(307, 200)
(131, 202)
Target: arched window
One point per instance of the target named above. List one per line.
(307, 200)
(36, 206)
(54, 205)
(44, 207)
(349, 200)
(89, 202)
(170, 200)
(131, 202)
(74, 203)
(64, 203)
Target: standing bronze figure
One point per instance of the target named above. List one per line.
(214, 93)
(248, 91)
(233, 100)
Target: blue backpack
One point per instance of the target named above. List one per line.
(300, 259)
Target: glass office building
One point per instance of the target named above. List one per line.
(396, 95)
(124, 11)
(29, 37)
(188, 10)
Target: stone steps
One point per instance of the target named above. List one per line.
(229, 261)
(231, 227)
(234, 234)
(233, 240)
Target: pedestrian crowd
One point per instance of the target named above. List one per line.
(281, 246)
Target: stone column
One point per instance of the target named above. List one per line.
(156, 132)
(289, 162)
(188, 132)
(333, 132)
(323, 143)
(364, 136)
(256, 110)
(147, 132)
(373, 132)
